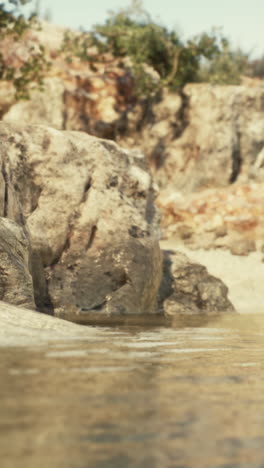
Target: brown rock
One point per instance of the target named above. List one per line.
(242, 246)
(119, 279)
(89, 209)
(187, 288)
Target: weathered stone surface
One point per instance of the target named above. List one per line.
(44, 107)
(205, 149)
(27, 327)
(187, 288)
(9, 204)
(118, 279)
(15, 279)
(209, 136)
(89, 209)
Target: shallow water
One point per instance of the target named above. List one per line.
(189, 395)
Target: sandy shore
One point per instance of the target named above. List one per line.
(23, 327)
(244, 276)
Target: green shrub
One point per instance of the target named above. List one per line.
(76, 45)
(156, 56)
(225, 68)
(132, 33)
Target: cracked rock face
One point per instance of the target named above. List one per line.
(15, 279)
(88, 206)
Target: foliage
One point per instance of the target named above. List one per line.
(255, 68)
(156, 56)
(77, 45)
(13, 26)
(132, 33)
(225, 68)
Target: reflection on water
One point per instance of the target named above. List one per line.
(190, 395)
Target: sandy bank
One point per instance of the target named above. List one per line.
(20, 327)
(244, 276)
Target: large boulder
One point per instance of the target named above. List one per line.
(188, 289)
(88, 206)
(15, 279)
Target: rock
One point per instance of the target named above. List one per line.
(7, 96)
(88, 207)
(184, 231)
(116, 280)
(9, 204)
(15, 279)
(207, 145)
(205, 142)
(188, 289)
(204, 240)
(240, 215)
(221, 231)
(29, 328)
(242, 246)
(44, 107)
(214, 139)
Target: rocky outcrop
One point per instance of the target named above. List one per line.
(15, 279)
(211, 173)
(88, 206)
(206, 136)
(188, 289)
(204, 146)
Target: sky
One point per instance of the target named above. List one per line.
(241, 20)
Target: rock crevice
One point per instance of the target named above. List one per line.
(5, 180)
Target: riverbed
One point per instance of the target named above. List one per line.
(179, 396)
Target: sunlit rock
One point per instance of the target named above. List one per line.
(188, 289)
(88, 206)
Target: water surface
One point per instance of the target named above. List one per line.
(189, 395)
